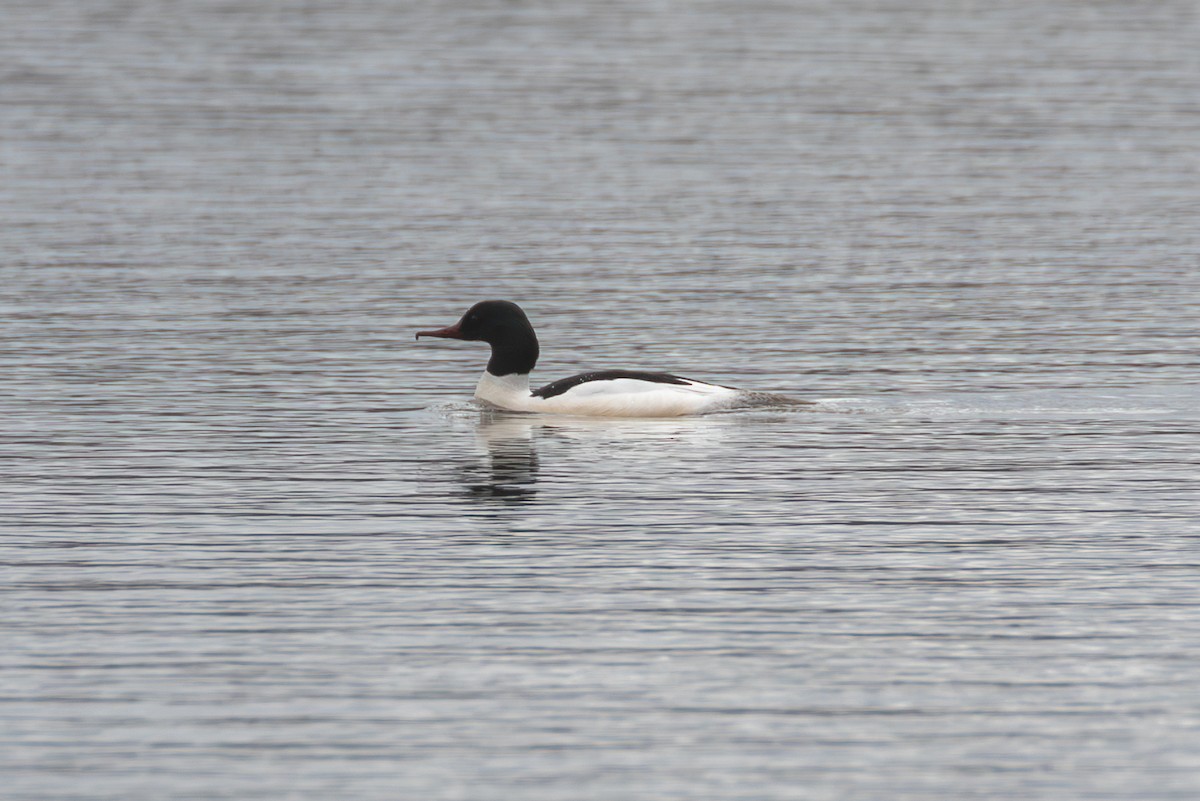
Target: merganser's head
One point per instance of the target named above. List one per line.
(504, 326)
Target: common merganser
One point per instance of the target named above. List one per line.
(607, 393)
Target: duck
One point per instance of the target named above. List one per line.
(601, 393)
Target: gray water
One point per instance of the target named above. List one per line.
(259, 543)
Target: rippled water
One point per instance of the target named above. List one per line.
(258, 543)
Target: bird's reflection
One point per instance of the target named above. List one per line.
(507, 467)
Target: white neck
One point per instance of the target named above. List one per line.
(506, 391)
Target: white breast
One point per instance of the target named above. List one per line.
(614, 397)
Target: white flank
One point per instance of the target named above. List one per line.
(613, 397)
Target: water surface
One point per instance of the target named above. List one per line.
(258, 543)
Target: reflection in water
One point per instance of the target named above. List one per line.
(507, 469)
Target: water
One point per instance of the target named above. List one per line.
(257, 543)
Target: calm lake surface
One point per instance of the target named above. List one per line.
(257, 543)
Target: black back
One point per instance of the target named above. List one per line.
(563, 384)
(504, 326)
